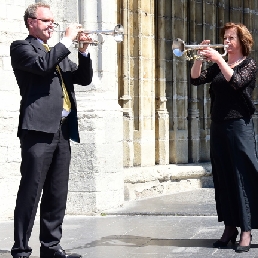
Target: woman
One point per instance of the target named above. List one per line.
(233, 151)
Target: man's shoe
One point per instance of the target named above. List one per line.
(62, 254)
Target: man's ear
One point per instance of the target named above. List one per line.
(29, 21)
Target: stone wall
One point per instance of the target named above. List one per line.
(96, 178)
(11, 27)
(166, 119)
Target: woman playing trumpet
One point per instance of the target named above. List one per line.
(233, 151)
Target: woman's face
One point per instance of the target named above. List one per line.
(231, 39)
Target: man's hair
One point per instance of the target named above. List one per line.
(30, 12)
(245, 37)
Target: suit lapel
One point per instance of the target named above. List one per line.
(36, 44)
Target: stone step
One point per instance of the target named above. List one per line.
(144, 182)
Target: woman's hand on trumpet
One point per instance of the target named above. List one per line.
(210, 54)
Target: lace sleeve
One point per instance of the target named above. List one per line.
(244, 74)
(206, 75)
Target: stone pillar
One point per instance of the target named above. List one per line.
(193, 98)
(96, 179)
(161, 117)
(126, 72)
(178, 94)
(137, 92)
(144, 134)
(194, 132)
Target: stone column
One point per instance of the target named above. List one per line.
(96, 179)
(126, 71)
(178, 94)
(137, 95)
(193, 98)
(161, 117)
(144, 95)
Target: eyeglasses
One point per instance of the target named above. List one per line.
(230, 38)
(55, 24)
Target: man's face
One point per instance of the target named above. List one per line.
(42, 26)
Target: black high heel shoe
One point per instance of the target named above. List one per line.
(222, 244)
(246, 248)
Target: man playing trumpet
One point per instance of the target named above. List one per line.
(48, 119)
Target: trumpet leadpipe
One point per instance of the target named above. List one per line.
(199, 47)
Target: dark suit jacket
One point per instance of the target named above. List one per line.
(40, 87)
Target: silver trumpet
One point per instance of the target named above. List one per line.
(117, 33)
(181, 49)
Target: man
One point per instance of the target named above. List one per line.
(47, 121)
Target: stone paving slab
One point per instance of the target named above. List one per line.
(138, 236)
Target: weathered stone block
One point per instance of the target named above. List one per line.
(12, 26)
(147, 18)
(15, 11)
(81, 203)
(8, 190)
(8, 169)
(147, 45)
(3, 11)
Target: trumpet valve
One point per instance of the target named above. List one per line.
(79, 44)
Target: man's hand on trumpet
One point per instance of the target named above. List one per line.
(72, 31)
(75, 32)
(85, 40)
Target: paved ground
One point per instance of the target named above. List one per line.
(177, 225)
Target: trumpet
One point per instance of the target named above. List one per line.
(117, 33)
(180, 48)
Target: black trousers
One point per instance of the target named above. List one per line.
(44, 173)
(235, 173)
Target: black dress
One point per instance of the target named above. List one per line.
(233, 148)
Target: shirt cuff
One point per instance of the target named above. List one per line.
(86, 53)
(66, 41)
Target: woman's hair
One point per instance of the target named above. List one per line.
(245, 37)
(31, 11)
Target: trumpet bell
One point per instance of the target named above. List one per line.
(178, 47)
(119, 33)
(178, 52)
